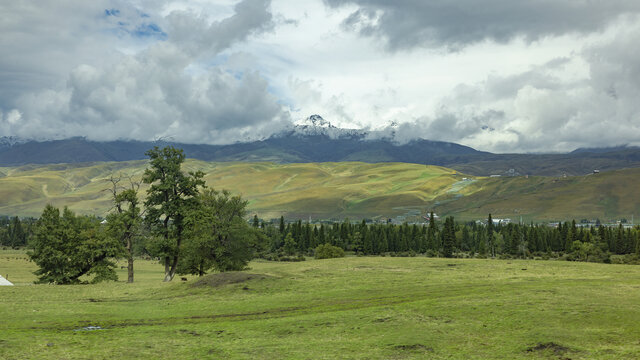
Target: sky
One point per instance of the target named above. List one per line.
(496, 75)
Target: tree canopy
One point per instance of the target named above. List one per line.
(218, 237)
(68, 247)
(171, 196)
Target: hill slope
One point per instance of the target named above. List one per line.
(297, 190)
(607, 196)
(338, 190)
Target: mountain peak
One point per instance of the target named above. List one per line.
(317, 121)
(316, 125)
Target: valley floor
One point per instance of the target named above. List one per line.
(354, 307)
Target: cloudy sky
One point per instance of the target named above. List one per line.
(497, 75)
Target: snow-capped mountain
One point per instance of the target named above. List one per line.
(316, 140)
(316, 125)
(316, 121)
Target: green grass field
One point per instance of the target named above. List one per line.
(349, 308)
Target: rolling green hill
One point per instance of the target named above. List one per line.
(319, 190)
(607, 196)
(339, 190)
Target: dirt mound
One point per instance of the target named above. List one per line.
(231, 277)
(556, 348)
(414, 347)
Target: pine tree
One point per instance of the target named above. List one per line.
(67, 247)
(448, 237)
(491, 237)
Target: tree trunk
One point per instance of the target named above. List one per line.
(130, 269)
(170, 271)
(167, 269)
(130, 262)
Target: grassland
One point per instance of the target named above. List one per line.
(608, 195)
(349, 308)
(320, 190)
(338, 190)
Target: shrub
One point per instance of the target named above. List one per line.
(328, 251)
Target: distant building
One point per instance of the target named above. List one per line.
(501, 221)
(435, 217)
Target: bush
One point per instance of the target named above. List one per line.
(328, 251)
(432, 253)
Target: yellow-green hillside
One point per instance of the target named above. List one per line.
(337, 190)
(609, 195)
(320, 190)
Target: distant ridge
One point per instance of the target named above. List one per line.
(317, 140)
(603, 150)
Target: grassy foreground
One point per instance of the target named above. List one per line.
(356, 307)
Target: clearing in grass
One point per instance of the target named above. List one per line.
(353, 307)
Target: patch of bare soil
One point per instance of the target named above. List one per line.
(551, 346)
(413, 347)
(225, 278)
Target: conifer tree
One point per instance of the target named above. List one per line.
(448, 237)
(491, 237)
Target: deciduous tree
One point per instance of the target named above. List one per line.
(217, 235)
(124, 221)
(170, 197)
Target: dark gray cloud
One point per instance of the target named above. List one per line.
(195, 35)
(454, 24)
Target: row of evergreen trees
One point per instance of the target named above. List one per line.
(445, 238)
(450, 239)
(15, 232)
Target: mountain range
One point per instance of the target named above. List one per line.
(317, 140)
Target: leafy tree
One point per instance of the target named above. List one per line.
(217, 236)
(289, 244)
(328, 251)
(171, 196)
(124, 221)
(67, 247)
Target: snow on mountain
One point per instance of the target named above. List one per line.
(316, 121)
(315, 125)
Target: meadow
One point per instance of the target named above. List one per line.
(338, 190)
(349, 308)
(329, 189)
